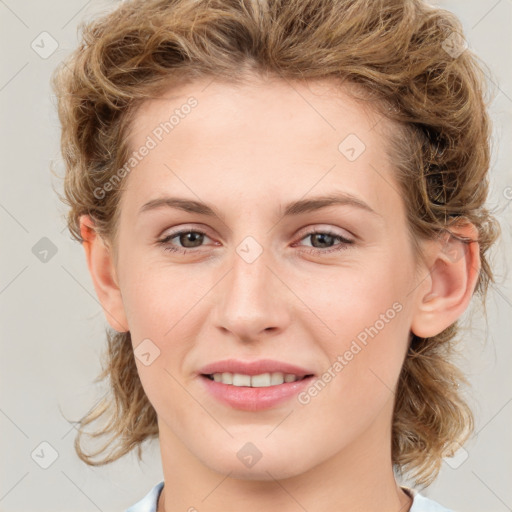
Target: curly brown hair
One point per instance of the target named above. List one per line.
(399, 55)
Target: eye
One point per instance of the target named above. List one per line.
(325, 238)
(191, 239)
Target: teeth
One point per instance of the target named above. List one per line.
(241, 380)
(255, 381)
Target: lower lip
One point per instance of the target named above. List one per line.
(254, 399)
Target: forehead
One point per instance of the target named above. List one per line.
(264, 140)
(221, 108)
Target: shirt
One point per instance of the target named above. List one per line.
(420, 503)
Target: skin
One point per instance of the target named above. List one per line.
(247, 151)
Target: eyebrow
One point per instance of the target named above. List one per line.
(294, 208)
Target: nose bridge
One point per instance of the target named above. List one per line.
(250, 266)
(250, 297)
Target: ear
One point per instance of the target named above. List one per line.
(454, 268)
(102, 270)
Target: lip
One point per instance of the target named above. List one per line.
(254, 399)
(253, 367)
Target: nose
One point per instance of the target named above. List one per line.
(252, 300)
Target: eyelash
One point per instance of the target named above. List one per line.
(342, 246)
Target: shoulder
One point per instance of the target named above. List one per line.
(423, 504)
(149, 502)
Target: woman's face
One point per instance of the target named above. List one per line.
(259, 284)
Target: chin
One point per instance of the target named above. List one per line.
(267, 468)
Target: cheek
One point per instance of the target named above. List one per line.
(347, 300)
(159, 304)
(368, 347)
(365, 360)
(156, 298)
(365, 333)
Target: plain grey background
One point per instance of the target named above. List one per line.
(52, 326)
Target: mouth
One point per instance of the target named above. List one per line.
(254, 393)
(254, 385)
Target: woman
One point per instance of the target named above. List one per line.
(282, 209)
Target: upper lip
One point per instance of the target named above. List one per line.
(253, 367)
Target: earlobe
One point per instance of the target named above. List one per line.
(454, 268)
(103, 274)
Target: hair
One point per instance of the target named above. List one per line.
(395, 53)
